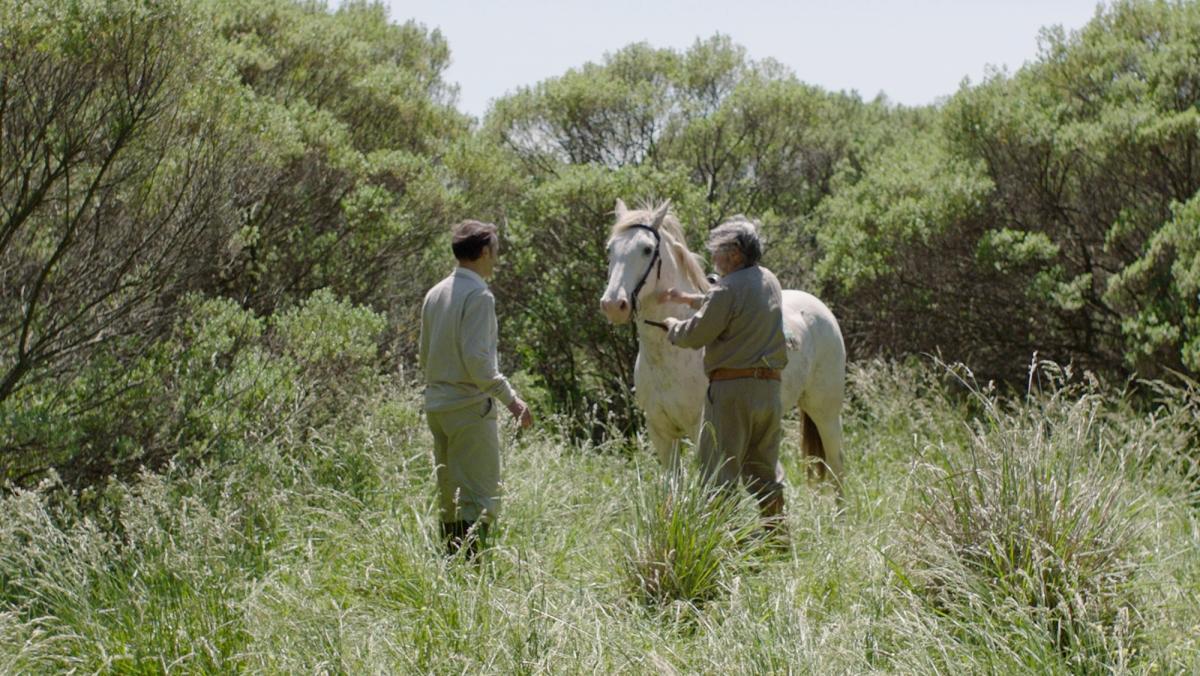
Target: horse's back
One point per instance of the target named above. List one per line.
(816, 367)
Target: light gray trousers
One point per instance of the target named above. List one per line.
(466, 456)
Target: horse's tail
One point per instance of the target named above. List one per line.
(814, 448)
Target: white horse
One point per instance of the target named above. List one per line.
(647, 255)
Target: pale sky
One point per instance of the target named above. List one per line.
(914, 51)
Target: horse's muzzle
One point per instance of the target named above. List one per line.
(617, 310)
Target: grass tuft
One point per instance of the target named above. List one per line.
(688, 539)
(1036, 526)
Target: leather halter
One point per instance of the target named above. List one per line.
(655, 257)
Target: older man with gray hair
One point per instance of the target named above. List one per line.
(739, 324)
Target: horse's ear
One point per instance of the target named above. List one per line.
(660, 214)
(621, 209)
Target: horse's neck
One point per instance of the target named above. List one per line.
(652, 338)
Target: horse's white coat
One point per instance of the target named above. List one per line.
(670, 382)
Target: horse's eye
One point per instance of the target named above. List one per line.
(647, 250)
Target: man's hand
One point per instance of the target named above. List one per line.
(521, 412)
(673, 295)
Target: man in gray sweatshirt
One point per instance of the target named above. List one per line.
(739, 324)
(462, 384)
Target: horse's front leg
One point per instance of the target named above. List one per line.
(666, 444)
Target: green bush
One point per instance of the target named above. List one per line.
(224, 380)
(1040, 212)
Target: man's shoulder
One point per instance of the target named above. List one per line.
(769, 276)
(478, 291)
(742, 279)
(756, 276)
(466, 281)
(720, 287)
(440, 288)
(476, 298)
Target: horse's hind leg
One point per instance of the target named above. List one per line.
(827, 425)
(821, 442)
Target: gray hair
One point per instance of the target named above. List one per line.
(737, 234)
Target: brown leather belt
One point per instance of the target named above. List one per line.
(734, 374)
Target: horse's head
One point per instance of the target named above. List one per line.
(635, 258)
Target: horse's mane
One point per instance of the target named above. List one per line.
(671, 232)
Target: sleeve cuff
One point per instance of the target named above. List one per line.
(505, 392)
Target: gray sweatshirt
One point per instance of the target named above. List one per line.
(458, 344)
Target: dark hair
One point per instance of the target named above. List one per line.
(471, 238)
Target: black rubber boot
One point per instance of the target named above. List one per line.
(476, 539)
(774, 524)
(464, 534)
(454, 533)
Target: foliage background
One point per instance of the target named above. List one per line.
(218, 219)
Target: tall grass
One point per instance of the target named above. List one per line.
(688, 539)
(1049, 533)
(1036, 527)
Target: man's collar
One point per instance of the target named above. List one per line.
(470, 274)
(744, 268)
